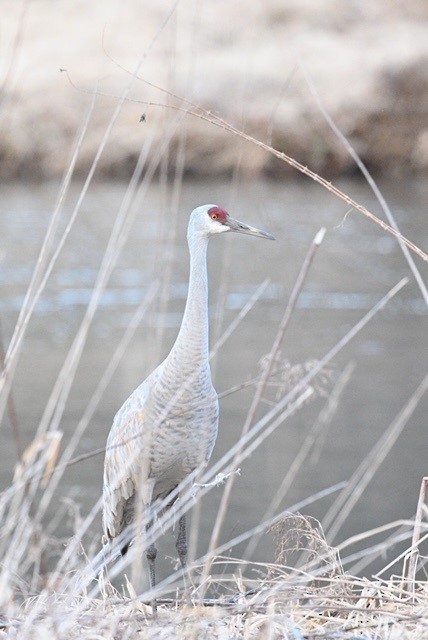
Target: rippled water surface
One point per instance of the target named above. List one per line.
(355, 266)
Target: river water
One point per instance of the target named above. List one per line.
(354, 267)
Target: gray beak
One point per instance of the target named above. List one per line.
(240, 227)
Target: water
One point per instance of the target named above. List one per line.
(353, 269)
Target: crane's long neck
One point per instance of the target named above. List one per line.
(191, 345)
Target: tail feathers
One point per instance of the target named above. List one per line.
(124, 548)
(122, 541)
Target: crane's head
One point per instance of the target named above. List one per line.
(210, 218)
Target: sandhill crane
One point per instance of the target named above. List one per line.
(166, 429)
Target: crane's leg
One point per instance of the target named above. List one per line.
(181, 543)
(181, 546)
(151, 553)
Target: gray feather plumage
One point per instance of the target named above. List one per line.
(168, 426)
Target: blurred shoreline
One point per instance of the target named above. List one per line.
(367, 62)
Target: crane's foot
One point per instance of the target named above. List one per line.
(154, 608)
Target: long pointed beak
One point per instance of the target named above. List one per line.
(240, 227)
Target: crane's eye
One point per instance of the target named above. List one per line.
(217, 213)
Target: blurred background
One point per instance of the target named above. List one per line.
(263, 67)
(367, 60)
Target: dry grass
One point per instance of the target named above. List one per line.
(311, 598)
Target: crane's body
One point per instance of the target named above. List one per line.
(167, 428)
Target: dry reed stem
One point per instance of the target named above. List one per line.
(403, 528)
(66, 458)
(369, 178)
(403, 556)
(338, 512)
(217, 346)
(324, 418)
(31, 299)
(166, 251)
(272, 415)
(413, 561)
(38, 279)
(56, 403)
(213, 119)
(271, 360)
